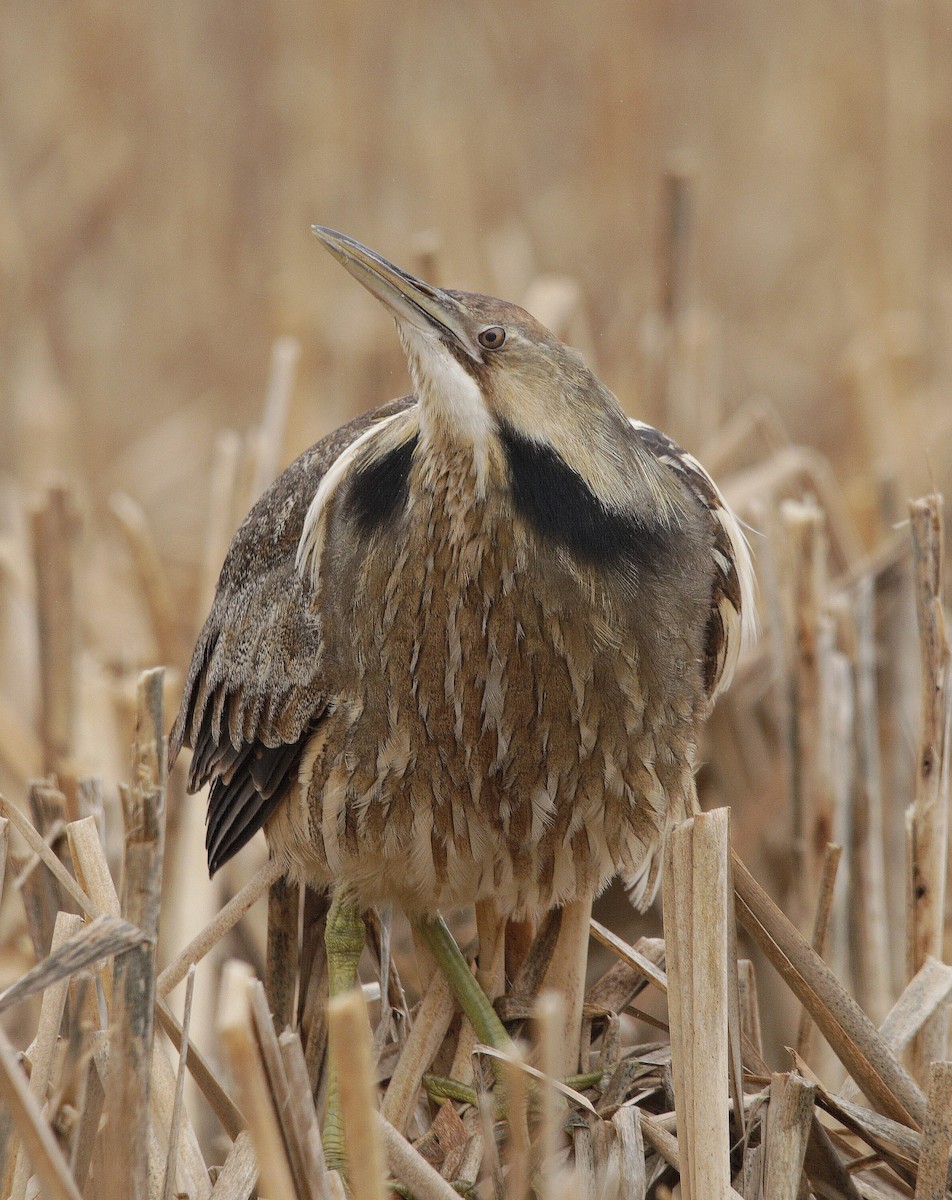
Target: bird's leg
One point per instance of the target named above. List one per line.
(472, 999)
(491, 960)
(344, 937)
(425, 962)
(521, 932)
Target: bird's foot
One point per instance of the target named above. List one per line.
(439, 1087)
(462, 1187)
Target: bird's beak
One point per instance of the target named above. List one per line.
(408, 298)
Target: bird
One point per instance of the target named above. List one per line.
(463, 647)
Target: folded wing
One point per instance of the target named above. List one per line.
(732, 623)
(254, 693)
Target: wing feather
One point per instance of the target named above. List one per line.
(733, 623)
(255, 692)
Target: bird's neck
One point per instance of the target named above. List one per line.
(454, 419)
(458, 439)
(455, 471)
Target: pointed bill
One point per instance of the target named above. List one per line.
(408, 298)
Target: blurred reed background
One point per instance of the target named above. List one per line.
(738, 212)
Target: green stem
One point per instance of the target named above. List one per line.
(472, 999)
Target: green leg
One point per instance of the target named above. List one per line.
(344, 937)
(472, 999)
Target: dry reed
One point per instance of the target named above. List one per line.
(612, 1130)
(113, 1083)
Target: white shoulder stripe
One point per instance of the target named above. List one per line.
(312, 535)
(740, 628)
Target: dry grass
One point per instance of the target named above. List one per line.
(739, 215)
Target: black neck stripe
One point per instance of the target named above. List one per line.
(557, 503)
(379, 488)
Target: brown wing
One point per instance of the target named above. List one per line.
(732, 622)
(254, 691)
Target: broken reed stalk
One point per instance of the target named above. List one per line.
(220, 1103)
(696, 915)
(631, 955)
(92, 871)
(749, 1006)
(804, 527)
(179, 1090)
(789, 1118)
(303, 1118)
(929, 990)
(631, 1151)
(45, 1042)
(928, 819)
(410, 1167)
(294, 1121)
(932, 1177)
(239, 1173)
(91, 943)
(39, 847)
(53, 526)
(566, 975)
(825, 1169)
(41, 1146)
(584, 1167)
(430, 1025)
(190, 1171)
(852, 1036)
(51, 834)
(215, 930)
(84, 1145)
(281, 961)
(549, 1022)
(868, 909)
(89, 863)
(350, 1047)
(133, 1004)
(517, 1114)
(840, 778)
(237, 1033)
(821, 926)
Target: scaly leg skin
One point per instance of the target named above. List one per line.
(344, 937)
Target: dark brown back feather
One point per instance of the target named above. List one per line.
(254, 691)
(730, 608)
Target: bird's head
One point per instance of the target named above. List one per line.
(485, 369)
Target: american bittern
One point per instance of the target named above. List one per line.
(462, 648)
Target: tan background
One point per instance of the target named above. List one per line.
(160, 166)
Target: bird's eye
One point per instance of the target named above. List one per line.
(492, 338)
